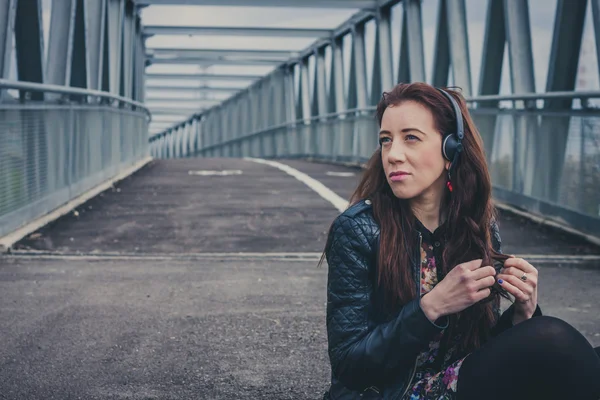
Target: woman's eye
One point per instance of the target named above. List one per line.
(412, 137)
(383, 140)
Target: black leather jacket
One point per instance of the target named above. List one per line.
(371, 355)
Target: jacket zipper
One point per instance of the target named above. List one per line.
(418, 281)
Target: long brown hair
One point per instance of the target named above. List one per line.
(469, 214)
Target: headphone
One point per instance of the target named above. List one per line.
(452, 143)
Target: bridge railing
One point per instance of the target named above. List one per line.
(53, 151)
(543, 149)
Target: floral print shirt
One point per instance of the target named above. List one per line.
(436, 376)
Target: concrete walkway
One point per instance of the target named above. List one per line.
(144, 293)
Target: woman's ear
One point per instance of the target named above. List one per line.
(447, 165)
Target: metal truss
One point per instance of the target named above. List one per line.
(92, 44)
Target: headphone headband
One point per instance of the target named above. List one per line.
(460, 130)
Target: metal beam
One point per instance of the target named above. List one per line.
(490, 75)
(215, 61)
(562, 72)
(518, 33)
(192, 89)
(337, 94)
(360, 67)
(225, 77)
(596, 19)
(386, 65)
(60, 41)
(159, 98)
(459, 45)
(566, 45)
(96, 14)
(403, 64)
(493, 49)
(441, 52)
(282, 55)
(7, 22)
(139, 62)
(348, 4)
(414, 30)
(128, 49)
(151, 30)
(176, 111)
(114, 18)
(320, 92)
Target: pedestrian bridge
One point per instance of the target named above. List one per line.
(168, 176)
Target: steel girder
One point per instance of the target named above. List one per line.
(216, 61)
(200, 77)
(96, 25)
(348, 4)
(177, 54)
(235, 31)
(562, 72)
(8, 11)
(205, 89)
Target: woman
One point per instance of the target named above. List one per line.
(416, 274)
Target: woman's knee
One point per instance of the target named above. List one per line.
(553, 333)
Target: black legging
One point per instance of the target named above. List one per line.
(541, 358)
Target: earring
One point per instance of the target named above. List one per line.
(449, 183)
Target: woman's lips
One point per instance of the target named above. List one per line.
(396, 177)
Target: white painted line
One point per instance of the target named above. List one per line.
(217, 173)
(6, 242)
(312, 183)
(147, 255)
(286, 257)
(340, 174)
(550, 257)
(275, 256)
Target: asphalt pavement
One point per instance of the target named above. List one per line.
(197, 279)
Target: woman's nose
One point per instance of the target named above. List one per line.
(397, 153)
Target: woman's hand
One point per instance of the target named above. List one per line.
(524, 291)
(465, 285)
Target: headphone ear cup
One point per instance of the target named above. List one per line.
(449, 147)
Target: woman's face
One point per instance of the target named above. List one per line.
(411, 151)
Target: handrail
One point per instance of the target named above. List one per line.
(41, 87)
(537, 96)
